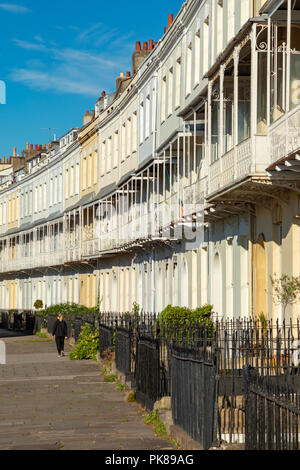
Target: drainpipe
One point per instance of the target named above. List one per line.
(209, 299)
(154, 118)
(153, 291)
(252, 267)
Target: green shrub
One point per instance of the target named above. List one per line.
(181, 322)
(69, 310)
(87, 346)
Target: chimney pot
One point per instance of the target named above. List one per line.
(14, 152)
(31, 147)
(87, 113)
(103, 93)
(145, 46)
(128, 74)
(44, 146)
(151, 45)
(27, 145)
(138, 46)
(170, 20)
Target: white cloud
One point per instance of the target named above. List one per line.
(58, 82)
(71, 70)
(13, 8)
(30, 46)
(39, 38)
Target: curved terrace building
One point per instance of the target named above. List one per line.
(203, 133)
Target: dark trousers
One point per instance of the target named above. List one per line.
(60, 343)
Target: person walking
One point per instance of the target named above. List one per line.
(60, 332)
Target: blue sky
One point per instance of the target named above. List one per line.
(57, 57)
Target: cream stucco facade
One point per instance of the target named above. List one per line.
(202, 132)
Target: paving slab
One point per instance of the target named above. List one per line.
(51, 403)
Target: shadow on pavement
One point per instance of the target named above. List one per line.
(13, 334)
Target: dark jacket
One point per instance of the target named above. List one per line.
(60, 329)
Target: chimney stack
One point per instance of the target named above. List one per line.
(170, 20)
(87, 118)
(139, 56)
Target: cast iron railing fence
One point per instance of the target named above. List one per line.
(194, 393)
(123, 350)
(18, 321)
(270, 349)
(149, 352)
(272, 412)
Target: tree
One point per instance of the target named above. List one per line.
(286, 290)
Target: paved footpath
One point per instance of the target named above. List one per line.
(51, 403)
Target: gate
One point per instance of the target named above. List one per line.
(194, 382)
(18, 322)
(123, 351)
(147, 373)
(30, 322)
(106, 339)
